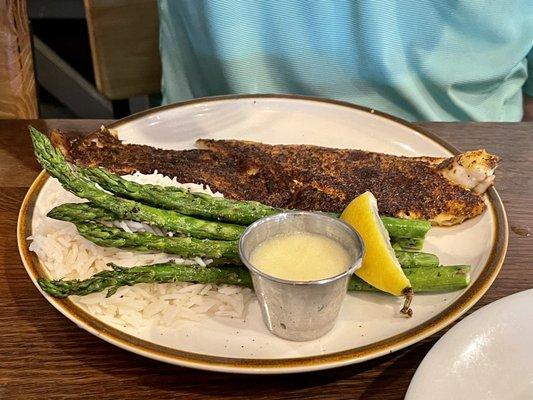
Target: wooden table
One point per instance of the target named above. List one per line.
(44, 355)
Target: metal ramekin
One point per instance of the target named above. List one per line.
(300, 310)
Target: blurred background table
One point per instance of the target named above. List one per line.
(44, 355)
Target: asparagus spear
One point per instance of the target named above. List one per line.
(143, 241)
(194, 204)
(416, 259)
(171, 198)
(81, 212)
(206, 206)
(422, 279)
(407, 243)
(440, 279)
(157, 273)
(406, 228)
(436, 279)
(53, 161)
(74, 212)
(191, 247)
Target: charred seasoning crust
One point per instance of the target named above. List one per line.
(291, 176)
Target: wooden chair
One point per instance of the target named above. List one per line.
(17, 81)
(124, 37)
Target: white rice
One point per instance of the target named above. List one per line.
(66, 254)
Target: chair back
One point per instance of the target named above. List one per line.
(124, 37)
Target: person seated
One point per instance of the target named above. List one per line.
(425, 60)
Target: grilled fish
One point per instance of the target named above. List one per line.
(444, 190)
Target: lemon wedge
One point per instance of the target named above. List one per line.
(380, 267)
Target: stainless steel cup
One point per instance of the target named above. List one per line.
(300, 310)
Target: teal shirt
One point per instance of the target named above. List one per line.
(441, 60)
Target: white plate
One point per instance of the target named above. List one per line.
(369, 325)
(487, 356)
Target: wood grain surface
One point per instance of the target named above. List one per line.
(17, 82)
(44, 355)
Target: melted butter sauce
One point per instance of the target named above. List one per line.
(300, 256)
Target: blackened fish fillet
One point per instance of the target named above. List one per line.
(443, 190)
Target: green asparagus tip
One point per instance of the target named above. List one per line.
(33, 131)
(35, 135)
(53, 288)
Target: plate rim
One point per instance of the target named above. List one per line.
(271, 365)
